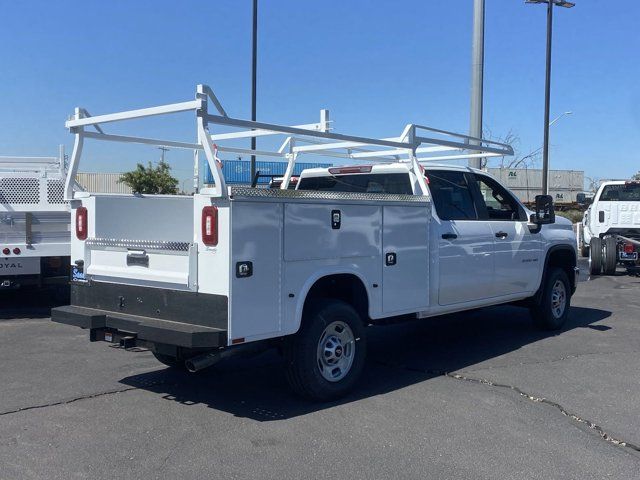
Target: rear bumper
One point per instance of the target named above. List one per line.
(150, 330)
(146, 314)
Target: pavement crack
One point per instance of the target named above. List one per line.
(533, 398)
(69, 400)
(530, 397)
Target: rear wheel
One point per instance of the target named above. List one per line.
(170, 361)
(326, 356)
(609, 255)
(552, 310)
(595, 256)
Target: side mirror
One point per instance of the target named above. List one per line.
(544, 213)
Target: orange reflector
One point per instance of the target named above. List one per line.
(235, 341)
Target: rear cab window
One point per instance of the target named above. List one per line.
(628, 192)
(393, 183)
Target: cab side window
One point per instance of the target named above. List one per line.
(499, 203)
(451, 195)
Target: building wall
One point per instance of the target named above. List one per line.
(526, 183)
(102, 182)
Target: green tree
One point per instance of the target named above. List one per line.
(151, 179)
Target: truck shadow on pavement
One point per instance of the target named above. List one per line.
(399, 356)
(29, 303)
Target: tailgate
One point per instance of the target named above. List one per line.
(139, 240)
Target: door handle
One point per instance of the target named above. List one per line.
(502, 234)
(449, 236)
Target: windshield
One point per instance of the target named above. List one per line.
(629, 192)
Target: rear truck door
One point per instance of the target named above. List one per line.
(138, 240)
(517, 251)
(465, 244)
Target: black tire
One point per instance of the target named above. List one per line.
(595, 256)
(544, 312)
(609, 255)
(170, 361)
(302, 351)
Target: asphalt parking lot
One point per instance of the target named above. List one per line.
(477, 395)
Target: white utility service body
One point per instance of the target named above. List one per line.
(34, 222)
(196, 278)
(610, 229)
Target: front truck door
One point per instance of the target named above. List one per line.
(517, 251)
(465, 244)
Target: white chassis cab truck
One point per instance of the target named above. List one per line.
(230, 270)
(610, 229)
(34, 222)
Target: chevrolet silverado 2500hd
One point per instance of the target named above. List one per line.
(611, 227)
(230, 270)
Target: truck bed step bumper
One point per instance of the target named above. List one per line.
(144, 328)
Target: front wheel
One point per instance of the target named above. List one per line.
(552, 309)
(326, 356)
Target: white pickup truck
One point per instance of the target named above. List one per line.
(230, 270)
(34, 223)
(610, 229)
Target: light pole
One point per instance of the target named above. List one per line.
(547, 87)
(477, 70)
(559, 117)
(535, 152)
(254, 65)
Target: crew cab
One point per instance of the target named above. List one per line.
(234, 270)
(611, 228)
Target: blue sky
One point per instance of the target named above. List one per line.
(376, 65)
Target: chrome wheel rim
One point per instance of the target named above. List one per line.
(336, 351)
(558, 299)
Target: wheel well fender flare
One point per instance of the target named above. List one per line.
(553, 251)
(314, 279)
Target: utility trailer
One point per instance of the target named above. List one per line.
(235, 270)
(34, 223)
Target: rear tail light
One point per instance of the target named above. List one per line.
(16, 251)
(6, 251)
(628, 248)
(210, 225)
(81, 223)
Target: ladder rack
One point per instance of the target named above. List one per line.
(416, 143)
